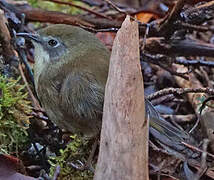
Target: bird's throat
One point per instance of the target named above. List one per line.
(41, 62)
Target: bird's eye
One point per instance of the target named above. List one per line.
(52, 43)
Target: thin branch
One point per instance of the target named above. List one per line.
(56, 173)
(172, 71)
(194, 62)
(194, 27)
(91, 29)
(126, 13)
(174, 13)
(115, 7)
(80, 7)
(158, 60)
(196, 149)
(35, 102)
(179, 91)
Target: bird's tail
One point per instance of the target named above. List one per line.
(164, 131)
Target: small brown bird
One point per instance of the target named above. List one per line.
(71, 69)
(70, 73)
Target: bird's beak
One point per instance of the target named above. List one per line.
(30, 36)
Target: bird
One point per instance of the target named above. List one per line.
(70, 74)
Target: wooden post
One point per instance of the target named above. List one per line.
(124, 136)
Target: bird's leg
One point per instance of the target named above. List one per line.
(91, 155)
(88, 164)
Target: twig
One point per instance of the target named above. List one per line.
(80, 7)
(180, 118)
(194, 27)
(163, 99)
(173, 72)
(40, 116)
(179, 91)
(35, 14)
(197, 149)
(56, 173)
(173, 15)
(38, 110)
(145, 36)
(158, 60)
(19, 44)
(194, 62)
(196, 123)
(206, 77)
(36, 103)
(203, 168)
(116, 8)
(125, 12)
(179, 47)
(91, 29)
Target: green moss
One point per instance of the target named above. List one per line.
(78, 149)
(14, 115)
(57, 7)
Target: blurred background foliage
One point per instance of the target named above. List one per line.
(51, 6)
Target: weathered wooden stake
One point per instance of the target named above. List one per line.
(124, 136)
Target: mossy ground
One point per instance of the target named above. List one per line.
(77, 149)
(14, 115)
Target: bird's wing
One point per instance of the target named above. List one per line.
(81, 95)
